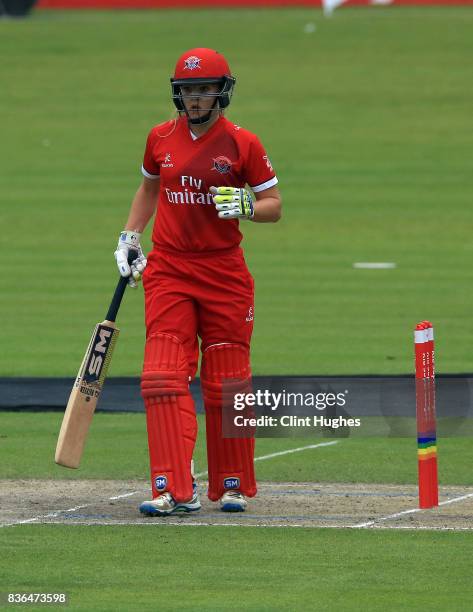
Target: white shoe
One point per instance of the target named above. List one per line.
(233, 501)
(165, 504)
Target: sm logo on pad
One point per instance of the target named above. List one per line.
(160, 482)
(231, 483)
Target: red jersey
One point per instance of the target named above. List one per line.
(226, 155)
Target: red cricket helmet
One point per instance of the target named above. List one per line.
(202, 66)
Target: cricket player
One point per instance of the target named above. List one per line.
(202, 175)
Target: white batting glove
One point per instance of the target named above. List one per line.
(130, 240)
(233, 202)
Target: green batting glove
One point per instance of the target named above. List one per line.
(233, 202)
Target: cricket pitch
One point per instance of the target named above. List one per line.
(326, 505)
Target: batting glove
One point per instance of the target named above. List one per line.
(233, 202)
(130, 240)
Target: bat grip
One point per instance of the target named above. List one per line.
(120, 290)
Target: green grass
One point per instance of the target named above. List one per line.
(194, 568)
(365, 121)
(117, 448)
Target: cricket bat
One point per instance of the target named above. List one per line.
(89, 382)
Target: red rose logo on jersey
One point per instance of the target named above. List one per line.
(268, 162)
(222, 164)
(192, 62)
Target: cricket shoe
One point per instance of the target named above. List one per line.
(165, 504)
(233, 501)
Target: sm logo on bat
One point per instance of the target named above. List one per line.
(98, 352)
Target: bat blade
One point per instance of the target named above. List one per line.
(85, 394)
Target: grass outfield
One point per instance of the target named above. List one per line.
(116, 449)
(195, 568)
(365, 120)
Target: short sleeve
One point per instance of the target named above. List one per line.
(260, 174)
(150, 167)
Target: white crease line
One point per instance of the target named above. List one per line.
(280, 453)
(423, 527)
(199, 475)
(386, 518)
(411, 511)
(455, 499)
(166, 522)
(124, 495)
(50, 515)
(296, 450)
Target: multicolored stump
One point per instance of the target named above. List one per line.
(425, 412)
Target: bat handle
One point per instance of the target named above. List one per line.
(120, 290)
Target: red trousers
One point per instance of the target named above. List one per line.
(188, 296)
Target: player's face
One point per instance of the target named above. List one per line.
(199, 99)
